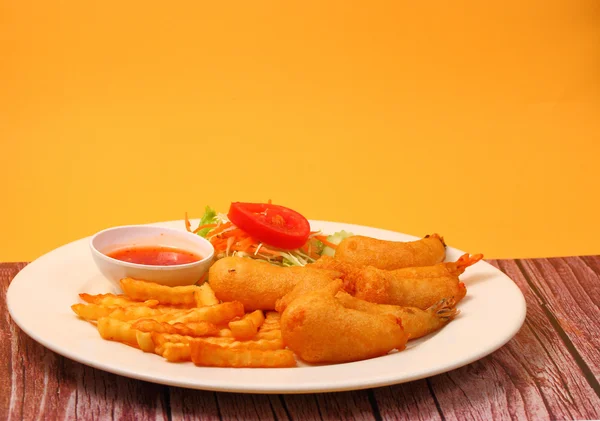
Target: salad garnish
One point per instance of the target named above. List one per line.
(264, 231)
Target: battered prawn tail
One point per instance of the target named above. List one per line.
(462, 292)
(439, 237)
(445, 310)
(466, 260)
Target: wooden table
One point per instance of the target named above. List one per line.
(550, 370)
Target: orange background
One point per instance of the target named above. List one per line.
(479, 120)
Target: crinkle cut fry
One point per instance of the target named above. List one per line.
(142, 290)
(247, 326)
(176, 348)
(115, 300)
(117, 330)
(194, 329)
(210, 355)
(93, 312)
(217, 314)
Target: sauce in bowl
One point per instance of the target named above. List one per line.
(155, 256)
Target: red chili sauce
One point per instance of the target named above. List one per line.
(155, 255)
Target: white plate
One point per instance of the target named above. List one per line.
(40, 296)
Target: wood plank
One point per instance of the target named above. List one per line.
(409, 401)
(37, 383)
(533, 377)
(87, 393)
(239, 406)
(302, 407)
(353, 405)
(8, 363)
(570, 288)
(593, 262)
(190, 405)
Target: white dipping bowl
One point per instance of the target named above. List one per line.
(113, 239)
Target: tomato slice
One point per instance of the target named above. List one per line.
(273, 225)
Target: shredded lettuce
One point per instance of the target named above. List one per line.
(336, 239)
(293, 258)
(209, 217)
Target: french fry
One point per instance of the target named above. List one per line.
(181, 351)
(92, 311)
(272, 317)
(142, 290)
(133, 313)
(169, 314)
(152, 325)
(196, 329)
(173, 307)
(160, 339)
(272, 322)
(267, 327)
(115, 300)
(193, 329)
(225, 333)
(271, 334)
(217, 314)
(205, 296)
(261, 344)
(231, 343)
(247, 327)
(211, 355)
(144, 341)
(163, 320)
(176, 352)
(117, 330)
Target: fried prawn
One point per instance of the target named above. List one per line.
(308, 284)
(390, 255)
(408, 287)
(319, 329)
(416, 322)
(258, 285)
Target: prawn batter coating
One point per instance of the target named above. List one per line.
(258, 285)
(308, 284)
(319, 329)
(416, 322)
(409, 287)
(390, 255)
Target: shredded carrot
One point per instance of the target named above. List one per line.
(245, 244)
(188, 225)
(233, 233)
(230, 242)
(266, 250)
(220, 229)
(200, 227)
(323, 239)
